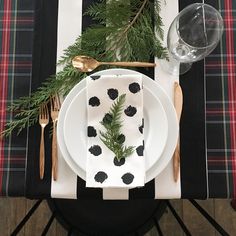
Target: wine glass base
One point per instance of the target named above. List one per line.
(174, 67)
(184, 67)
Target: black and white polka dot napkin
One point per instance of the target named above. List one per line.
(102, 169)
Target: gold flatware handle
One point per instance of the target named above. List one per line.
(54, 153)
(178, 100)
(129, 64)
(178, 104)
(176, 162)
(41, 155)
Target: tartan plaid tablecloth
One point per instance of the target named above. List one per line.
(16, 40)
(220, 84)
(208, 134)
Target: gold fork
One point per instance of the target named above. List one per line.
(43, 121)
(55, 108)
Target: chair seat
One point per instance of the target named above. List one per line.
(97, 217)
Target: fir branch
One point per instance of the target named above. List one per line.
(27, 108)
(136, 16)
(119, 23)
(113, 138)
(124, 31)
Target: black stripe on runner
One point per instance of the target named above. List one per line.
(192, 131)
(87, 193)
(44, 65)
(148, 191)
(96, 193)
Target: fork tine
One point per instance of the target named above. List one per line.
(54, 103)
(43, 111)
(51, 103)
(57, 102)
(40, 112)
(46, 111)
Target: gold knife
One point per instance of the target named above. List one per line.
(178, 103)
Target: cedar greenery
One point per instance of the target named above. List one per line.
(123, 31)
(113, 138)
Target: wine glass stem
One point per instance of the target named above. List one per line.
(174, 67)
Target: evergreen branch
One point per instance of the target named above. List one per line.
(27, 108)
(136, 16)
(121, 26)
(113, 138)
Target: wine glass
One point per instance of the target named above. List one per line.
(193, 34)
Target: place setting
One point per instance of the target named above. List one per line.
(89, 149)
(157, 119)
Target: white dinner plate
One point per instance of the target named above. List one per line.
(157, 91)
(155, 129)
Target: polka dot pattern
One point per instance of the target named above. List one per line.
(94, 101)
(95, 150)
(121, 162)
(95, 77)
(141, 127)
(127, 178)
(112, 93)
(130, 111)
(140, 150)
(134, 87)
(100, 177)
(105, 170)
(91, 131)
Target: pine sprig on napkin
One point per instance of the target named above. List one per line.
(113, 138)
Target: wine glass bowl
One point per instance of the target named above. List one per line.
(193, 34)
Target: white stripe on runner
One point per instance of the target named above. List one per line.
(165, 187)
(115, 193)
(69, 28)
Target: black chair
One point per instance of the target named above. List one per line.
(111, 218)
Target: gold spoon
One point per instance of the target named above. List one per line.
(87, 64)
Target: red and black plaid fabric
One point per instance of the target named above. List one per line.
(220, 78)
(16, 38)
(208, 128)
